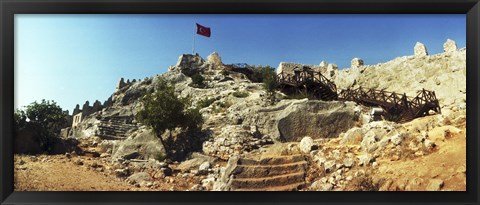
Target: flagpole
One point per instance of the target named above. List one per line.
(193, 45)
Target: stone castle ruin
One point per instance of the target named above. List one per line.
(315, 104)
(324, 74)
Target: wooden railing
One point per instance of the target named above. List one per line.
(303, 77)
(394, 103)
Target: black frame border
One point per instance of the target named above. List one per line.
(8, 8)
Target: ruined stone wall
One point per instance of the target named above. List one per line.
(289, 67)
(327, 69)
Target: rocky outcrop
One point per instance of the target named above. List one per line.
(444, 73)
(356, 62)
(215, 60)
(234, 139)
(373, 135)
(332, 70)
(190, 64)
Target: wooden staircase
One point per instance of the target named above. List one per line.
(404, 108)
(308, 82)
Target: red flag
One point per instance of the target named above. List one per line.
(202, 30)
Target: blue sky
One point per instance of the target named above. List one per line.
(74, 58)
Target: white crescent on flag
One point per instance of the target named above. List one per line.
(202, 30)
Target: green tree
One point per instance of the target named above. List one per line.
(20, 118)
(163, 110)
(48, 114)
(269, 82)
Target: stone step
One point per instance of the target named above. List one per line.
(111, 133)
(117, 125)
(273, 161)
(113, 129)
(111, 137)
(264, 182)
(253, 171)
(288, 187)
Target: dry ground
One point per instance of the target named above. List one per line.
(59, 173)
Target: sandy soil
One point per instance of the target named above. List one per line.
(57, 173)
(448, 163)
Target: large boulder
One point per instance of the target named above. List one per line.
(141, 178)
(142, 145)
(317, 119)
(191, 164)
(291, 120)
(306, 145)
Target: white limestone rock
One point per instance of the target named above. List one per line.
(420, 49)
(214, 59)
(449, 46)
(306, 144)
(356, 62)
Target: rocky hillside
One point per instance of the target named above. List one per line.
(296, 144)
(444, 73)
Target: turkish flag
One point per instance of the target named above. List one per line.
(202, 30)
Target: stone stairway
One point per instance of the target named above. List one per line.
(281, 173)
(113, 128)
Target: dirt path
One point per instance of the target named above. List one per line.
(57, 173)
(448, 164)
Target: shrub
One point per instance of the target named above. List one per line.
(240, 94)
(257, 74)
(160, 156)
(205, 102)
(197, 80)
(298, 96)
(221, 106)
